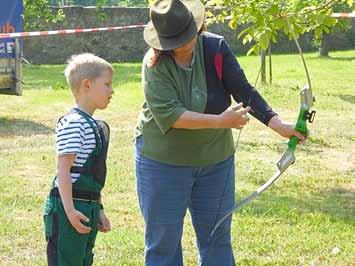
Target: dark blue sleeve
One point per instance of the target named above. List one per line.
(236, 83)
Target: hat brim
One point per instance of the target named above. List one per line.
(152, 38)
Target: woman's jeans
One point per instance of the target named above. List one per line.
(165, 191)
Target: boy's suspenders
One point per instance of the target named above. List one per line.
(95, 165)
(98, 163)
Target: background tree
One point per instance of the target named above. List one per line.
(342, 24)
(36, 11)
(123, 3)
(264, 20)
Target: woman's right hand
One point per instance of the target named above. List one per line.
(75, 217)
(235, 117)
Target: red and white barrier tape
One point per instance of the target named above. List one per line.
(334, 15)
(343, 15)
(72, 31)
(64, 32)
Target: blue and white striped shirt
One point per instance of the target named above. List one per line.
(74, 135)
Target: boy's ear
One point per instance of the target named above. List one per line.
(85, 84)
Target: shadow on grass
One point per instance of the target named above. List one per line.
(348, 98)
(20, 127)
(342, 58)
(333, 58)
(338, 203)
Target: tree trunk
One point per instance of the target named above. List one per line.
(324, 48)
(270, 64)
(263, 66)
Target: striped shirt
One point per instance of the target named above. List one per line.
(74, 135)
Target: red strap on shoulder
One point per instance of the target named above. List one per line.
(218, 63)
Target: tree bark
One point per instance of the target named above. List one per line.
(324, 48)
(270, 65)
(263, 66)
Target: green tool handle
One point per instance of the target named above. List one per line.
(301, 126)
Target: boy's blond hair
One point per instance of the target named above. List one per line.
(84, 66)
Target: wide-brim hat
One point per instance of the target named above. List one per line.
(173, 23)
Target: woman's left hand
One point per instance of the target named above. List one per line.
(285, 129)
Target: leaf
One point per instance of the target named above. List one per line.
(244, 32)
(247, 39)
(279, 23)
(273, 38)
(264, 40)
(254, 49)
(232, 24)
(318, 32)
(329, 21)
(273, 10)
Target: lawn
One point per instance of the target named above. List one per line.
(306, 218)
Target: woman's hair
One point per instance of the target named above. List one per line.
(157, 54)
(84, 66)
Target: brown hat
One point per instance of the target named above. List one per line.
(173, 23)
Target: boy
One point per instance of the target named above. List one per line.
(73, 212)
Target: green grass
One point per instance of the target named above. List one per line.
(298, 221)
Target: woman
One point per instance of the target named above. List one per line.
(184, 144)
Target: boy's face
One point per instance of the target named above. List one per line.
(100, 91)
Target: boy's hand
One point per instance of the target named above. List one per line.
(75, 217)
(104, 224)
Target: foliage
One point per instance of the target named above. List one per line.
(134, 3)
(36, 11)
(127, 3)
(266, 19)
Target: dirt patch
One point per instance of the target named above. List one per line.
(342, 161)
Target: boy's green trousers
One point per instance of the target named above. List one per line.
(67, 247)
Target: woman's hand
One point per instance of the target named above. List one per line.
(235, 117)
(104, 224)
(285, 129)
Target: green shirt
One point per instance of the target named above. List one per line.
(169, 91)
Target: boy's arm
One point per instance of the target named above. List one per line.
(65, 187)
